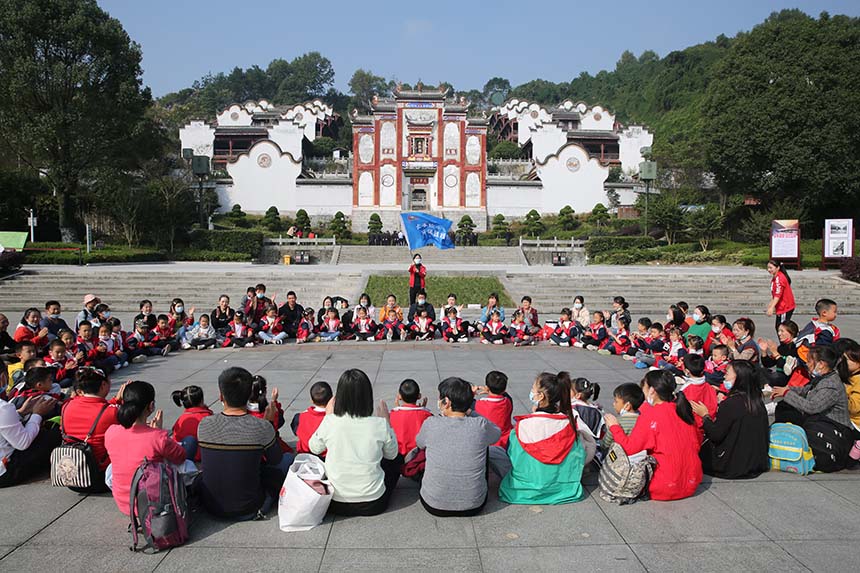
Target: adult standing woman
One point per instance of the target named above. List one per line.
(222, 316)
(667, 431)
(417, 274)
(546, 456)
(25, 448)
(736, 441)
(362, 459)
(136, 438)
(782, 298)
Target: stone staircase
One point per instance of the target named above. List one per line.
(123, 289)
(722, 291)
(366, 255)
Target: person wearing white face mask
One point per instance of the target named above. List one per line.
(417, 274)
(626, 399)
(701, 323)
(28, 329)
(52, 319)
(581, 315)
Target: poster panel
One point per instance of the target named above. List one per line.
(785, 239)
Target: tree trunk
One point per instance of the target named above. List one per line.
(65, 190)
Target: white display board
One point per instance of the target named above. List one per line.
(838, 238)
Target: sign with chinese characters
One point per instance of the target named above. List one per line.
(785, 239)
(838, 238)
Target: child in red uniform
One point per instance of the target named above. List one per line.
(258, 403)
(519, 330)
(619, 342)
(595, 336)
(422, 326)
(271, 327)
(364, 328)
(667, 431)
(697, 389)
(495, 331)
(62, 362)
(565, 331)
(392, 328)
(716, 365)
(239, 334)
(95, 352)
(306, 331)
(497, 406)
(185, 428)
(39, 381)
(453, 329)
(305, 423)
(165, 334)
(639, 339)
(109, 341)
(408, 415)
(654, 349)
(676, 350)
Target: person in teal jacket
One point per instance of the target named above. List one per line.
(546, 456)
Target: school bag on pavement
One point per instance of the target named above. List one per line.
(74, 464)
(789, 449)
(158, 505)
(623, 480)
(829, 441)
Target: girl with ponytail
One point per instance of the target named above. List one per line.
(185, 428)
(546, 455)
(136, 438)
(667, 431)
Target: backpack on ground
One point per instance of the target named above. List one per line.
(789, 449)
(158, 506)
(623, 480)
(829, 441)
(74, 464)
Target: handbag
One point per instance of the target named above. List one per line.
(305, 495)
(73, 464)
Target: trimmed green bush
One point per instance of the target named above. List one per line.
(249, 242)
(198, 255)
(598, 245)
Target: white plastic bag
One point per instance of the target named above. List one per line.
(301, 507)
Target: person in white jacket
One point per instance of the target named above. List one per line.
(25, 448)
(201, 335)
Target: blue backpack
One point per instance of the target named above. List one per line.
(789, 449)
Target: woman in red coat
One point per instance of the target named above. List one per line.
(782, 298)
(29, 329)
(417, 272)
(667, 431)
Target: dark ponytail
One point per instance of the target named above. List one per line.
(664, 385)
(188, 397)
(780, 268)
(136, 398)
(557, 387)
(258, 392)
(620, 300)
(589, 390)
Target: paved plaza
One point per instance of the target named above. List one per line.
(777, 522)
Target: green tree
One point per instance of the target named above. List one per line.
(566, 218)
(533, 225)
(374, 224)
(303, 222)
(500, 225)
(704, 224)
(755, 228)
(614, 198)
(19, 192)
(506, 150)
(665, 212)
(272, 219)
(599, 214)
(71, 94)
(339, 226)
(324, 147)
(170, 190)
(466, 225)
(615, 173)
(496, 84)
(363, 85)
(309, 76)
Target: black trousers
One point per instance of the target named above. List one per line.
(391, 468)
(413, 292)
(452, 513)
(24, 464)
(780, 318)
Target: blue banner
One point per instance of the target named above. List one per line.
(422, 229)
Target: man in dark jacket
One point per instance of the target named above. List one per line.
(291, 312)
(420, 304)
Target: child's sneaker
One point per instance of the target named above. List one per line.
(185, 346)
(640, 365)
(498, 341)
(591, 347)
(389, 336)
(577, 344)
(125, 364)
(565, 344)
(371, 339)
(403, 334)
(532, 342)
(628, 357)
(604, 352)
(138, 359)
(464, 338)
(551, 341)
(516, 343)
(279, 341)
(484, 341)
(249, 345)
(201, 346)
(165, 351)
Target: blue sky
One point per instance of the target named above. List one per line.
(465, 42)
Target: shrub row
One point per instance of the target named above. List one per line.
(250, 242)
(851, 269)
(199, 255)
(598, 245)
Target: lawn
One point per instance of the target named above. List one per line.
(469, 290)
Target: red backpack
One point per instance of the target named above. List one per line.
(158, 505)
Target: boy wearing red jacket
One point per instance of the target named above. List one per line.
(306, 331)
(408, 415)
(95, 352)
(62, 363)
(165, 335)
(392, 327)
(497, 406)
(696, 388)
(364, 328)
(238, 334)
(305, 423)
(452, 327)
(143, 342)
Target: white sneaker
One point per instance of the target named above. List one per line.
(201, 346)
(770, 408)
(553, 342)
(371, 339)
(186, 346)
(138, 359)
(249, 345)
(125, 364)
(463, 338)
(565, 344)
(516, 343)
(628, 357)
(118, 366)
(591, 347)
(532, 342)
(279, 341)
(166, 351)
(403, 334)
(484, 341)
(499, 341)
(577, 344)
(389, 335)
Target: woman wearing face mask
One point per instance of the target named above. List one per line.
(743, 346)
(667, 431)
(719, 327)
(417, 274)
(701, 323)
(780, 358)
(821, 409)
(581, 315)
(546, 454)
(737, 438)
(179, 320)
(28, 329)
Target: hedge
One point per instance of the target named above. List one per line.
(250, 242)
(598, 245)
(108, 255)
(851, 269)
(198, 255)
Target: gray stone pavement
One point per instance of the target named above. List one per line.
(777, 522)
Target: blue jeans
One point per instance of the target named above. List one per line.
(329, 336)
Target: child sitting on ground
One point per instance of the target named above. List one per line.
(185, 428)
(582, 391)
(62, 362)
(696, 389)
(595, 336)
(494, 331)
(422, 326)
(24, 351)
(306, 332)
(165, 334)
(239, 334)
(639, 340)
(675, 352)
(519, 331)
(201, 335)
(626, 399)
(820, 331)
(305, 423)
(408, 415)
(497, 406)
(330, 329)
(38, 381)
(271, 328)
(117, 334)
(392, 327)
(107, 339)
(716, 365)
(142, 342)
(364, 328)
(95, 351)
(619, 341)
(695, 345)
(654, 349)
(258, 404)
(565, 331)
(453, 329)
